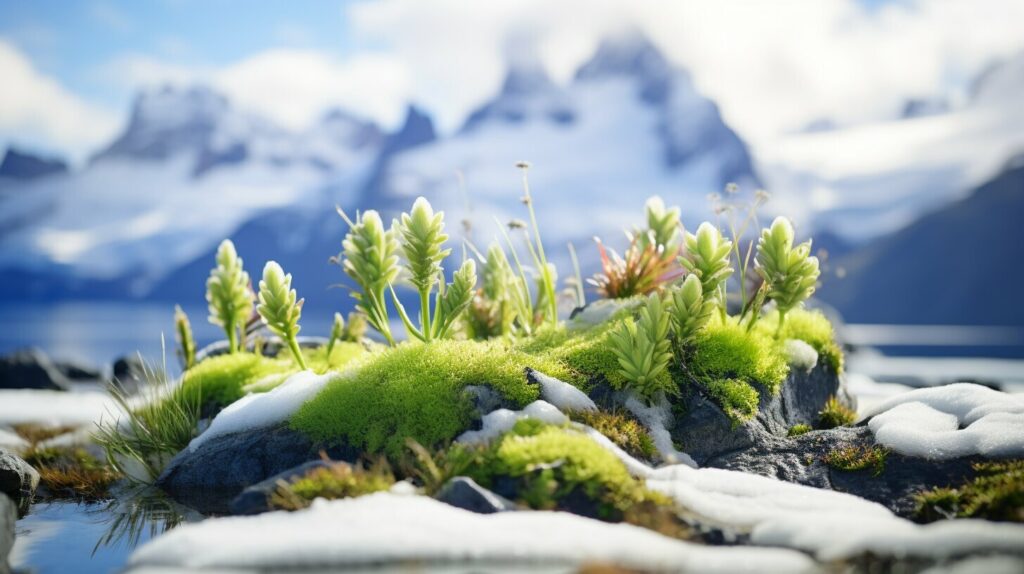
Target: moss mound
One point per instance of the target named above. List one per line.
(811, 327)
(416, 391)
(343, 354)
(621, 428)
(728, 351)
(737, 398)
(835, 414)
(337, 480)
(853, 458)
(221, 380)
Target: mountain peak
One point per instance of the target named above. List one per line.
(167, 120)
(18, 164)
(417, 129)
(629, 53)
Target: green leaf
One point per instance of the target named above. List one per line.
(279, 308)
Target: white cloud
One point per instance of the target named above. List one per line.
(292, 87)
(772, 66)
(35, 110)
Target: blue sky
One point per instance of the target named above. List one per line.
(72, 68)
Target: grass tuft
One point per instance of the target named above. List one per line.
(996, 493)
(71, 472)
(835, 414)
(853, 458)
(799, 429)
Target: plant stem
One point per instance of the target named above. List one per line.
(581, 297)
(232, 339)
(782, 319)
(545, 272)
(294, 346)
(425, 325)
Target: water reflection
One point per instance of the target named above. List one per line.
(65, 536)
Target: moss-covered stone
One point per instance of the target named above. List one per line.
(559, 468)
(416, 391)
(71, 472)
(336, 480)
(737, 398)
(728, 351)
(996, 493)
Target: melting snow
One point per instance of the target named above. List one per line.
(54, 408)
(801, 355)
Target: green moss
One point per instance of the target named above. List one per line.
(853, 458)
(221, 380)
(416, 391)
(738, 399)
(729, 351)
(551, 464)
(337, 480)
(799, 429)
(996, 493)
(584, 353)
(621, 428)
(342, 355)
(835, 414)
(811, 327)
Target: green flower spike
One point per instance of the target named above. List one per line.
(186, 343)
(690, 311)
(663, 225)
(337, 332)
(228, 294)
(422, 238)
(707, 256)
(370, 258)
(455, 299)
(790, 273)
(279, 309)
(643, 350)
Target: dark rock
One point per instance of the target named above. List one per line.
(706, 432)
(18, 479)
(255, 499)
(212, 476)
(31, 369)
(463, 492)
(802, 460)
(8, 516)
(129, 373)
(75, 371)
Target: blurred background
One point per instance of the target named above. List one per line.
(135, 136)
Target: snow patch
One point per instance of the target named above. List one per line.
(10, 440)
(499, 422)
(266, 409)
(54, 408)
(563, 395)
(387, 529)
(951, 421)
(801, 355)
(870, 393)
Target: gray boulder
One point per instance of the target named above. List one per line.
(31, 369)
(463, 492)
(255, 499)
(129, 373)
(222, 467)
(18, 479)
(8, 517)
(706, 432)
(802, 460)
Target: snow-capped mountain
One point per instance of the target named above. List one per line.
(629, 125)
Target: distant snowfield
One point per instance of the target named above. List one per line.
(54, 408)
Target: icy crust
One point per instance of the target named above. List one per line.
(388, 529)
(54, 408)
(265, 409)
(942, 423)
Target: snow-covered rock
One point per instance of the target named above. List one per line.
(391, 530)
(561, 394)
